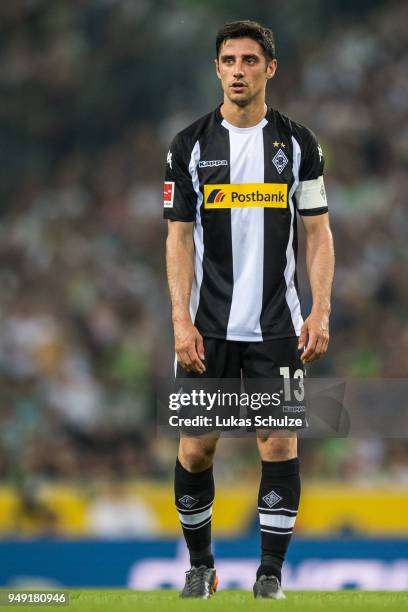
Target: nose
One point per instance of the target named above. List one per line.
(238, 72)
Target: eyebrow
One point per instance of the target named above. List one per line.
(244, 56)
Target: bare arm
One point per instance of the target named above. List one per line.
(188, 342)
(320, 267)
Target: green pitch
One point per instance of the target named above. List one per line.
(225, 601)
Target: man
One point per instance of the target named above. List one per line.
(234, 182)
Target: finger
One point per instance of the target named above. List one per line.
(310, 349)
(303, 336)
(184, 360)
(190, 361)
(324, 343)
(200, 366)
(195, 362)
(200, 346)
(319, 349)
(312, 357)
(200, 353)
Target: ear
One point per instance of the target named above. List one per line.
(217, 70)
(271, 68)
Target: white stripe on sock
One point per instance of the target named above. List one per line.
(277, 520)
(278, 532)
(193, 519)
(277, 509)
(199, 527)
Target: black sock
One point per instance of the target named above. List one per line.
(278, 502)
(194, 496)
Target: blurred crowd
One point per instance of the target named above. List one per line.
(92, 92)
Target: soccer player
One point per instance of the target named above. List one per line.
(235, 180)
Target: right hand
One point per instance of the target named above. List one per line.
(189, 347)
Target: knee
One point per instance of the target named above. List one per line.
(277, 449)
(196, 457)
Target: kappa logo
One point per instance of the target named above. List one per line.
(169, 159)
(168, 194)
(212, 163)
(320, 151)
(188, 501)
(280, 161)
(216, 195)
(271, 499)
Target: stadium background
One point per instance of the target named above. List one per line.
(92, 91)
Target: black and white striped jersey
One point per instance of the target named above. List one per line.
(242, 187)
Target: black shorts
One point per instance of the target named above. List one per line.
(250, 367)
(230, 359)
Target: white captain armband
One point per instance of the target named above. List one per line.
(311, 196)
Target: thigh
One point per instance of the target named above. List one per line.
(222, 360)
(222, 376)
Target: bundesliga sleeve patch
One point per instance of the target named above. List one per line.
(168, 194)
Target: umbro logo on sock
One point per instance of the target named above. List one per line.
(188, 501)
(271, 499)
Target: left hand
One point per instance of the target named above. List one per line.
(314, 336)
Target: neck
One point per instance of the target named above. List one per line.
(243, 116)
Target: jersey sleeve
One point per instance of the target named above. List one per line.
(310, 195)
(179, 196)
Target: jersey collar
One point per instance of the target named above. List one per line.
(234, 128)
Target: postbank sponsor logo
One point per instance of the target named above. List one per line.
(249, 195)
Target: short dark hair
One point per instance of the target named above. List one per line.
(247, 29)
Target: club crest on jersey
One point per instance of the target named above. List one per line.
(168, 194)
(280, 160)
(246, 195)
